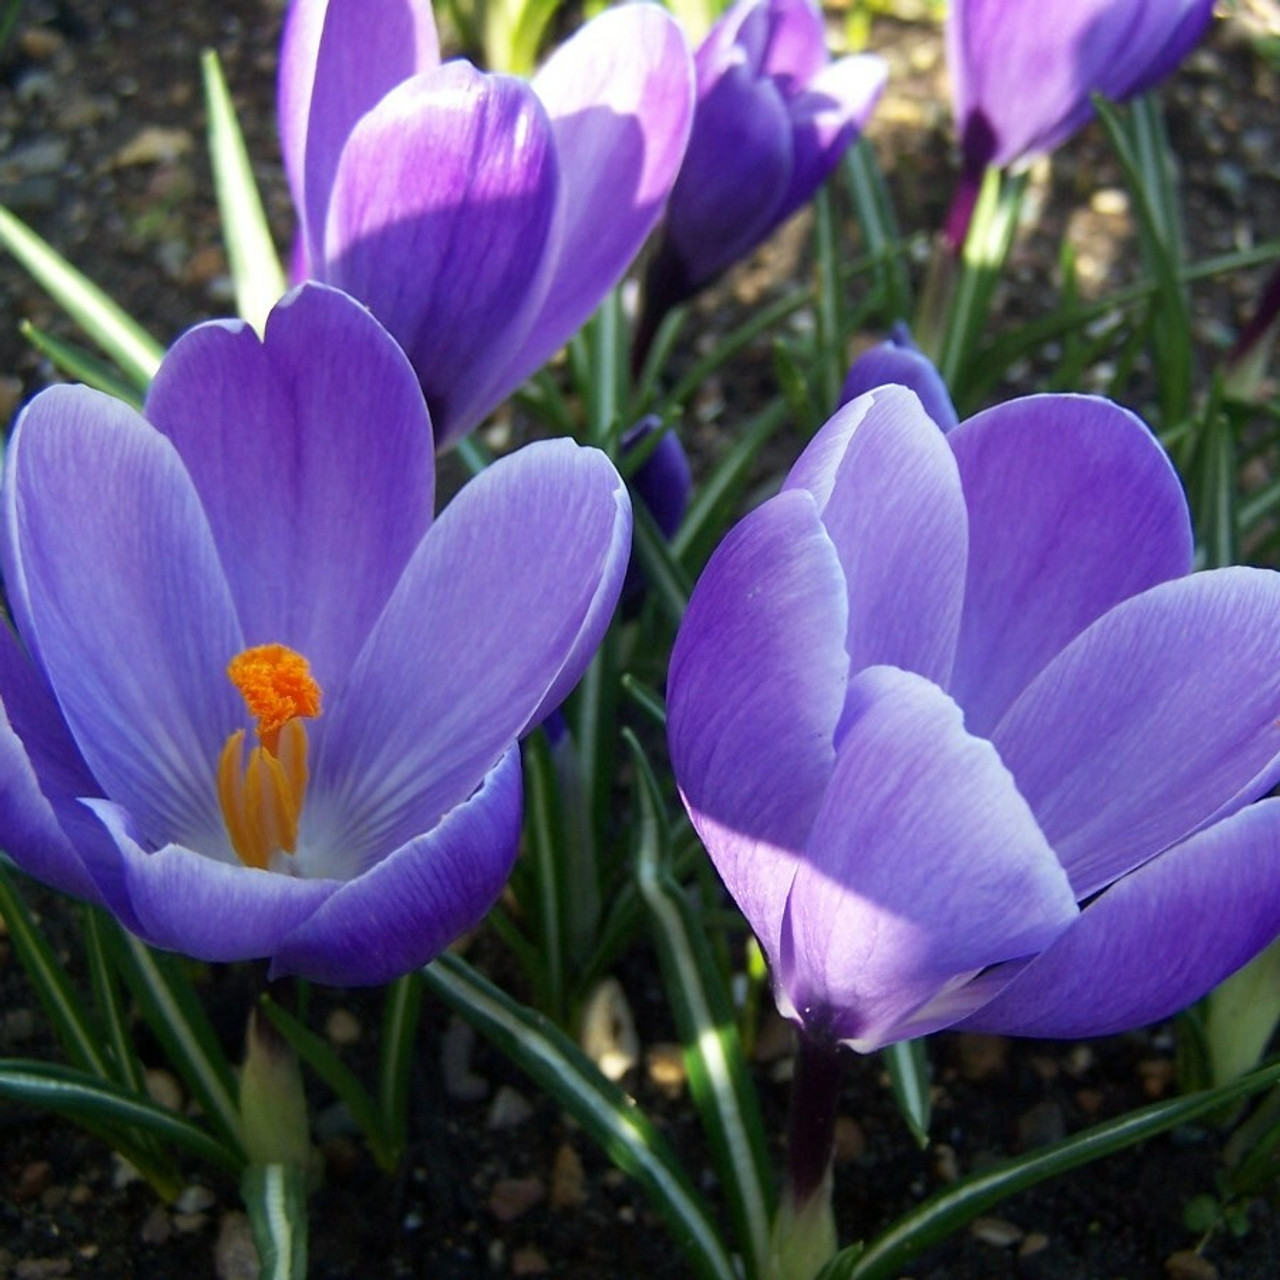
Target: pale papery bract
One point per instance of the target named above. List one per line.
(968, 741)
(279, 493)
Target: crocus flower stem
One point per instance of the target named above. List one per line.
(815, 1090)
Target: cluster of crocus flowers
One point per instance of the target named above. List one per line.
(254, 562)
(1023, 71)
(774, 116)
(482, 218)
(968, 741)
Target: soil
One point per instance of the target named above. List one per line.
(101, 151)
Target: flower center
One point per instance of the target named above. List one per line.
(262, 801)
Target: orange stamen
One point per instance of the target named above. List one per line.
(262, 801)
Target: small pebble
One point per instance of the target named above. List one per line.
(235, 1256)
(512, 1198)
(982, 1056)
(1040, 1125)
(41, 1268)
(1187, 1264)
(456, 1045)
(163, 1089)
(343, 1028)
(568, 1181)
(1157, 1075)
(608, 1033)
(508, 1109)
(153, 145)
(999, 1232)
(1034, 1242)
(664, 1064)
(156, 1227)
(850, 1140)
(195, 1199)
(528, 1261)
(34, 1180)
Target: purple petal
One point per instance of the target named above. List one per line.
(889, 495)
(1021, 79)
(1073, 507)
(404, 911)
(734, 177)
(924, 865)
(782, 39)
(212, 910)
(826, 118)
(42, 776)
(129, 610)
(1161, 717)
(620, 98)
(312, 455)
(1156, 940)
(337, 59)
(444, 215)
(900, 361)
(754, 694)
(493, 622)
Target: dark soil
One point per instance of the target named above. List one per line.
(101, 150)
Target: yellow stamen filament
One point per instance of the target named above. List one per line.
(262, 802)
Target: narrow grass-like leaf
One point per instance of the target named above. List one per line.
(833, 360)
(120, 336)
(715, 502)
(1212, 481)
(874, 207)
(175, 1015)
(703, 1008)
(670, 329)
(79, 1036)
(81, 364)
(648, 699)
(551, 881)
(275, 1196)
(255, 265)
(316, 1053)
(400, 1014)
(908, 1065)
(605, 1113)
(103, 1104)
(473, 454)
(594, 715)
(664, 575)
(945, 1213)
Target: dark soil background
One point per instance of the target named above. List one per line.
(102, 152)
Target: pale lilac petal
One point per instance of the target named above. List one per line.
(313, 458)
(1073, 507)
(889, 495)
(212, 910)
(128, 607)
(833, 109)
(444, 216)
(756, 685)
(1156, 940)
(337, 59)
(1161, 717)
(924, 865)
(403, 912)
(620, 98)
(900, 361)
(495, 619)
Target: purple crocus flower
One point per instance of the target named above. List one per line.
(482, 218)
(967, 740)
(259, 703)
(774, 117)
(1022, 71)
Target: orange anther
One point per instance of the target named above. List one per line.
(277, 685)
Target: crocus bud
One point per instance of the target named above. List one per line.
(899, 360)
(773, 118)
(273, 1106)
(662, 483)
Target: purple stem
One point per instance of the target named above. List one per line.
(815, 1090)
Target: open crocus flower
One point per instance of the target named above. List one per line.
(774, 117)
(481, 218)
(1022, 71)
(259, 703)
(967, 740)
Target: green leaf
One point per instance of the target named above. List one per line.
(874, 207)
(946, 1212)
(255, 265)
(665, 577)
(175, 1015)
(103, 1104)
(605, 1113)
(124, 340)
(80, 364)
(703, 1008)
(908, 1065)
(400, 1016)
(76, 1032)
(275, 1196)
